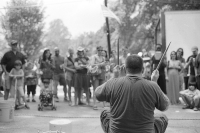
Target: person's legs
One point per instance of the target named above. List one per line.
(187, 101)
(186, 82)
(160, 123)
(33, 92)
(7, 87)
(55, 85)
(105, 121)
(69, 89)
(20, 89)
(28, 92)
(196, 102)
(86, 90)
(95, 85)
(63, 83)
(198, 82)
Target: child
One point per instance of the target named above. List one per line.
(17, 82)
(191, 97)
(46, 92)
(31, 81)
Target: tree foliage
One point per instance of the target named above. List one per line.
(23, 21)
(57, 35)
(139, 19)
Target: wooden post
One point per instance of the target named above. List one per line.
(108, 34)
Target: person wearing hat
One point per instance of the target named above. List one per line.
(81, 80)
(197, 70)
(191, 96)
(59, 74)
(8, 63)
(191, 63)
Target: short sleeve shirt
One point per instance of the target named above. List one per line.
(20, 81)
(82, 61)
(9, 59)
(133, 101)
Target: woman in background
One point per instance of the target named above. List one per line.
(174, 66)
(183, 73)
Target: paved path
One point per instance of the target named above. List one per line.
(86, 120)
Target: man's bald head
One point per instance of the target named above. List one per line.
(134, 64)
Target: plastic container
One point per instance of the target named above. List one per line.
(6, 110)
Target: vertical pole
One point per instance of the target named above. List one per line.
(118, 51)
(108, 33)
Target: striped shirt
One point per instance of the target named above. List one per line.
(132, 103)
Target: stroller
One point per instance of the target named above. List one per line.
(46, 94)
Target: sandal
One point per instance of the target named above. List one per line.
(95, 107)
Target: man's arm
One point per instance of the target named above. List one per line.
(103, 91)
(162, 100)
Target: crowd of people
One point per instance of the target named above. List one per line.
(177, 77)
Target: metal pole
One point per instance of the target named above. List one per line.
(118, 51)
(108, 33)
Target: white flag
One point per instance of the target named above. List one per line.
(108, 13)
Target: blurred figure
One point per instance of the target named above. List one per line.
(191, 63)
(99, 78)
(59, 76)
(197, 67)
(81, 80)
(70, 72)
(122, 59)
(162, 70)
(174, 66)
(183, 72)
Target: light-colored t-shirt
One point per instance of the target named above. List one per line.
(20, 81)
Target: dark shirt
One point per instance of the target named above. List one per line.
(192, 71)
(82, 61)
(9, 59)
(162, 67)
(197, 64)
(132, 103)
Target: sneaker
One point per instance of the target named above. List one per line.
(81, 103)
(186, 107)
(28, 100)
(26, 106)
(195, 109)
(33, 100)
(56, 99)
(16, 107)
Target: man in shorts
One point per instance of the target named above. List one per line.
(133, 101)
(8, 63)
(59, 74)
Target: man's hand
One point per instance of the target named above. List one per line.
(155, 75)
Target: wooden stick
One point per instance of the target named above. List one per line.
(163, 56)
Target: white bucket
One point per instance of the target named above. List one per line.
(61, 125)
(7, 110)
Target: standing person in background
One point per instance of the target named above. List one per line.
(183, 72)
(162, 70)
(59, 75)
(81, 77)
(191, 63)
(70, 72)
(98, 61)
(174, 67)
(31, 81)
(113, 59)
(8, 63)
(122, 59)
(197, 70)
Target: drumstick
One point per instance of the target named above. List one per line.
(163, 57)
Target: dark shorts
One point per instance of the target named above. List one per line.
(81, 81)
(160, 123)
(60, 78)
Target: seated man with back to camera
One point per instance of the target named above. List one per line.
(133, 101)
